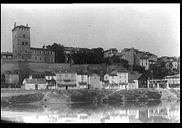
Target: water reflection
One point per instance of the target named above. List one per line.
(126, 112)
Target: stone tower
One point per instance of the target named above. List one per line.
(21, 42)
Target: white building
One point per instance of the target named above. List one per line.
(35, 84)
(82, 80)
(173, 81)
(117, 78)
(144, 62)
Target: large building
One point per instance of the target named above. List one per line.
(131, 55)
(22, 50)
(110, 52)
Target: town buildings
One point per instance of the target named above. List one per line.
(157, 83)
(50, 80)
(11, 78)
(173, 81)
(116, 78)
(82, 80)
(65, 79)
(34, 83)
(94, 81)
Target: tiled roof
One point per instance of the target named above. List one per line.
(49, 74)
(35, 81)
(134, 76)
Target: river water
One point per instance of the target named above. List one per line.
(125, 112)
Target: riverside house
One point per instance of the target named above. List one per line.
(11, 79)
(94, 81)
(34, 83)
(65, 79)
(173, 81)
(157, 83)
(117, 79)
(82, 80)
(137, 81)
(50, 80)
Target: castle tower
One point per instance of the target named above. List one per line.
(21, 42)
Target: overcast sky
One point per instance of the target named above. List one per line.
(147, 27)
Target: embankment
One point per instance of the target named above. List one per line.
(85, 95)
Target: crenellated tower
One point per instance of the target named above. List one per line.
(21, 42)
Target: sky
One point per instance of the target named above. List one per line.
(152, 28)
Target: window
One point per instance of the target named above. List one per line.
(23, 35)
(40, 58)
(22, 43)
(35, 58)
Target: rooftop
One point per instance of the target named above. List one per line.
(42, 49)
(35, 81)
(135, 76)
(20, 26)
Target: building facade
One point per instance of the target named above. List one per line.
(130, 54)
(117, 79)
(110, 52)
(94, 81)
(11, 78)
(34, 83)
(22, 50)
(82, 80)
(66, 79)
(144, 62)
(173, 81)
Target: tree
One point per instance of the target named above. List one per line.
(59, 52)
(88, 56)
(139, 68)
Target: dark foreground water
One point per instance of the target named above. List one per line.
(125, 112)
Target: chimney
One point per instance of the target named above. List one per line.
(27, 25)
(14, 24)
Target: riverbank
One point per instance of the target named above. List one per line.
(85, 95)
